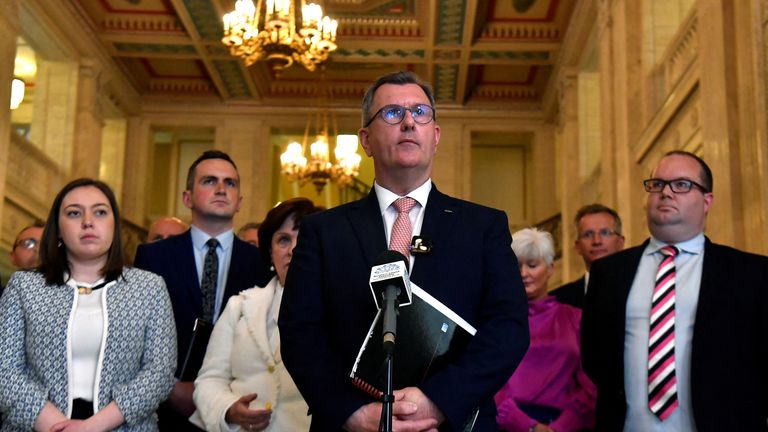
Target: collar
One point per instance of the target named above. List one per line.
(199, 237)
(693, 246)
(387, 197)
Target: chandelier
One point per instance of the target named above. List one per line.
(318, 167)
(270, 31)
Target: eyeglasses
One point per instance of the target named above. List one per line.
(27, 243)
(394, 114)
(679, 185)
(605, 232)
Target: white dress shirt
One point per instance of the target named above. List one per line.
(688, 267)
(389, 214)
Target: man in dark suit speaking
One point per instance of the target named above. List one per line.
(674, 331)
(327, 307)
(203, 266)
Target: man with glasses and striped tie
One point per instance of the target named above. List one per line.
(674, 331)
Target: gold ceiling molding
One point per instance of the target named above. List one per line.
(486, 91)
(362, 26)
(529, 31)
(142, 23)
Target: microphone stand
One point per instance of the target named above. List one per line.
(389, 329)
(387, 399)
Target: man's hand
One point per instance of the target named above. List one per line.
(425, 408)
(367, 418)
(180, 398)
(248, 419)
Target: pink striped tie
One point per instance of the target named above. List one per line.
(662, 382)
(400, 240)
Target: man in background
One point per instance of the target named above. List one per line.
(24, 255)
(598, 234)
(165, 227)
(674, 331)
(202, 267)
(250, 233)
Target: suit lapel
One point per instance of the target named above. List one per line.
(186, 253)
(710, 273)
(365, 218)
(439, 222)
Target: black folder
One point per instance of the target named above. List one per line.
(193, 359)
(429, 337)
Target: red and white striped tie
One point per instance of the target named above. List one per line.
(662, 382)
(400, 239)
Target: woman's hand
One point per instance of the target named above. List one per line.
(71, 426)
(541, 427)
(248, 419)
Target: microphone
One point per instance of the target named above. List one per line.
(389, 282)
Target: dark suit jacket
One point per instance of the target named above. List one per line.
(571, 293)
(174, 260)
(729, 353)
(327, 306)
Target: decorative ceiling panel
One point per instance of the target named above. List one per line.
(172, 47)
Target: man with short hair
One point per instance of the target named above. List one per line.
(674, 331)
(26, 247)
(327, 307)
(598, 234)
(165, 227)
(250, 233)
(202, 267)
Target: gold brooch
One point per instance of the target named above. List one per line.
(84, 290)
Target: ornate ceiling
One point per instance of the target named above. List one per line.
(489, 54)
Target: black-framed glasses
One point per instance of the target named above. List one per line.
(27, 243)
(603, 233)
(394, 114)
(678, 185)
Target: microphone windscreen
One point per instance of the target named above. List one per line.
(391, 256)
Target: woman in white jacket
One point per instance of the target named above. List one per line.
(243, 384)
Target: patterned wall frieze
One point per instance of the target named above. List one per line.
(380, 53)
(379, 27)
(510, 55)
(450, 21)
(190, 86)
(280, 88)
(232, 76)
(142, 24)
(516, 92)
(445, 82)
(143, 48)
(682, 51)
(521, 31)
(207, 22)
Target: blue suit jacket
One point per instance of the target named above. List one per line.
(174, 260)
(327, 306)
(729, 351)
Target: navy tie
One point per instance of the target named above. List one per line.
(210, 277)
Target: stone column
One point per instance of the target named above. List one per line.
(570, 189)
(620, 42)
(86, 148)
(247, 142)
(9, 30)
(137, 155)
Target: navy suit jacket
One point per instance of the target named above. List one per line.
(729, 351)
(327, 307)
(571, 293)
(174, 260)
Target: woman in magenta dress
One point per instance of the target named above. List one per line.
(549, 391)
